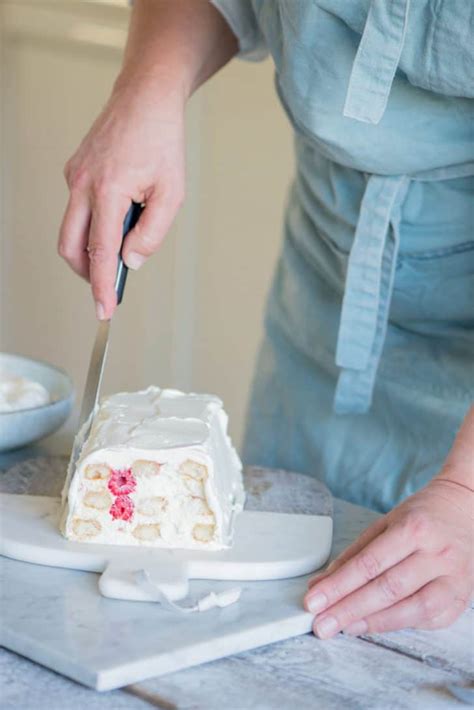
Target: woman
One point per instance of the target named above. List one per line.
(366, 370)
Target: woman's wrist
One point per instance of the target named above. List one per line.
(459, 465)
(162, 87)
(458, 477)
(457, 499)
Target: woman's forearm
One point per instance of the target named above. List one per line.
(459, 466)
(175, 45)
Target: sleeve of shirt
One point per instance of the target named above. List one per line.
(242, 20)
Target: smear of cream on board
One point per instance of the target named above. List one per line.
(21, 393)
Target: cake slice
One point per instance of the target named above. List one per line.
(157, 468)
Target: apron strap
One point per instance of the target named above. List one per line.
(376, 60)
(368, 291)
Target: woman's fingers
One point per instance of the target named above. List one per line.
(369, 534)
(91, 235)
(74, 231)
(105, 238)
(148, 234)
(391, 587)
(433, 606)
(383, 552)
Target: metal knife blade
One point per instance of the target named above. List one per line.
(95, 372)
(99, 351)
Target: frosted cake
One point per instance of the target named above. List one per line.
(157, 468)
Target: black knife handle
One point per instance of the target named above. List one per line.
(131, 218)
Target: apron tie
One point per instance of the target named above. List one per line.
(376, 60)
(368, 291)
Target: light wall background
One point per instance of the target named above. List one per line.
(192, 317)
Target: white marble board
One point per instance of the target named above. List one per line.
(56, 617)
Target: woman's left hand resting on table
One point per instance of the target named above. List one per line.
(414, 567)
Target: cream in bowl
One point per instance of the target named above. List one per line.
(21, 393)
(35, 400)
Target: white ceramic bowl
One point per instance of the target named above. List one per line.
(24, 426)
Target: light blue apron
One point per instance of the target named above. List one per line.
(367, 367)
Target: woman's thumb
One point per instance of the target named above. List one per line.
(146, 237)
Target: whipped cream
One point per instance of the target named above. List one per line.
(180, 477)
(21, 393)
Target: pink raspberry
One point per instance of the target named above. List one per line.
(122, 508)
(122, 482)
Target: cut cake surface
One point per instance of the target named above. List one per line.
(157, 468)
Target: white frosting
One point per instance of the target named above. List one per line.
(20, 393)
(169, 428)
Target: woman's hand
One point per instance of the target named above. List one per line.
(412, 568)
(134, 151)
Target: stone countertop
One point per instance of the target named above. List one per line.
(409, 669)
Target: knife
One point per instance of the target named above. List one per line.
(99, 351)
